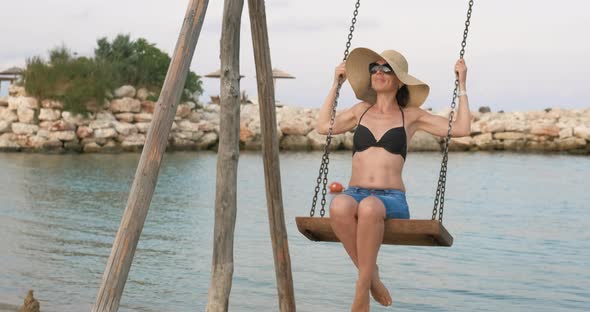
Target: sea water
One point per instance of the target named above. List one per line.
(521, 224)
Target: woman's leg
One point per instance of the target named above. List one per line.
(343, 215)
(370, 226)
(343, 219)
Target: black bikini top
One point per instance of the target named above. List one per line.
(393, 140)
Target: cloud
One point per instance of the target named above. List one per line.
(521, 54)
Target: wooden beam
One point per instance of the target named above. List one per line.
(146, 176)
(397, 232)
(270, 154)
(222, 266)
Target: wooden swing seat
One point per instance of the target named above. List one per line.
(397, 232)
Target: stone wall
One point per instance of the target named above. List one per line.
(30, 125)
(551, 130)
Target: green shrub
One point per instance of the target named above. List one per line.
(77, 82)
(142, 64)
(193, 86)
(82, 83)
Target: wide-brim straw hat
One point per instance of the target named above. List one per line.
(357, 72)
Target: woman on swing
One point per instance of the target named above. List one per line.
(385, 122)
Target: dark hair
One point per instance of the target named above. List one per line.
(403, 96)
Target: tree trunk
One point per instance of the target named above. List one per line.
(146, 176)
(222, 267)
(270, 151)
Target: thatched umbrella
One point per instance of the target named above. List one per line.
(12, 71)
(280, 74)
(10, 74)
(217, 74)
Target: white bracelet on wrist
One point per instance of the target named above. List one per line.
(462, 93)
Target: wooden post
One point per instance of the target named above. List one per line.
(270, 153)
(222, 267)
(146, 176)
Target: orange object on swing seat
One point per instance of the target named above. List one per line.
(336, 187)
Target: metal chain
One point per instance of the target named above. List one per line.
(439, 200)
(323, 173)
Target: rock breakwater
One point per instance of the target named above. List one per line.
(31, 125)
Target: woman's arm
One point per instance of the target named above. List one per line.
(345, 120)
(438, 125)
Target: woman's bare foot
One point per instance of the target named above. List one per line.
(379, 291)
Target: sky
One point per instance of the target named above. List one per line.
(521, 55)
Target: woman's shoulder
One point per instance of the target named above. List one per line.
(359, 108)
(413, 114)
(416, 111)
(362, 105)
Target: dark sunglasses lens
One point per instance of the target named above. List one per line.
(385, 68)
(373, 68)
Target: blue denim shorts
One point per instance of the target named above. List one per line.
(396, 206)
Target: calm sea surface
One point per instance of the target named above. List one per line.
(521, 225)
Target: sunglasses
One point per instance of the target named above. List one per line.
(385, 68)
